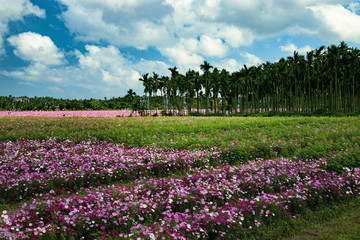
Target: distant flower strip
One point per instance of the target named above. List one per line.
(225, 201)
(91, 113)
(28, 167)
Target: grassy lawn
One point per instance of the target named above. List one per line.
(344, 225)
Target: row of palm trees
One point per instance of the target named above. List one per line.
(326, 78)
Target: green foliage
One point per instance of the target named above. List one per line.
(313, 220)
(130, 101)
(342, 161)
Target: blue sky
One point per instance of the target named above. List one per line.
(95, 49)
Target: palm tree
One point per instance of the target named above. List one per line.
(189, 82)
(254, 87)
(155, 83)
(245, 72)
(332, 65)
(173, 84)
(147, 87)
(309, 100)
(294, 75)
(335, 56)
(354, 75)
(130, 94)
(180, 84)
(197, 88)
(215, 85)
(155, 86)
(224, 88)
(326, 78)
(318, 65)
(206, 82)
(266, 89)
(163, 85)
(174, 72)
(234, 91)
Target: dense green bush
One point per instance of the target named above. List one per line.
(341, 162)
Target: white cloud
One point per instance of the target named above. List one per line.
(183, 58)
(36, 72)
(230, 64)
(108, 65)
(339, 22)
(290, 48)
(163, 23)
(233, 65)
(188, 52)
(220, 25)
(15, 10)
(251, 59)
(185, 32)
(34, 47)
(148, 66)
(148, 34)
(56, 89)
(131, 23)
(212, 47)
(235, 36)
(103, 71)
(208, 9)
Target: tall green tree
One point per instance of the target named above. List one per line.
(205, 67)
(147, 87)
(224, 88)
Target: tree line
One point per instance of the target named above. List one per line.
(327, 78)
(10, 103)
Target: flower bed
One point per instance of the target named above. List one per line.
(99, 113)
(89, 113)
(28, 167)
(224, 202)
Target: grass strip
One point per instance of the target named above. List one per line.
(338, 220)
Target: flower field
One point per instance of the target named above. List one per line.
(99, 113)
(29, 167)
(170, 178)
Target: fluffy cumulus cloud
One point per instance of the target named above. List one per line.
(251, 59)
(212, 47)
(184, 54)
(34, 47)
(182, 58)
(98, 66)
(108, 65)
(15, 10)
(101, 70)
(339, 23)
(185, 33)
(290, 48)
(43, 56)
(235, 36)
(148, 66)
(230, 64)
(219, 26)
(188, 53)
(134, 23)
